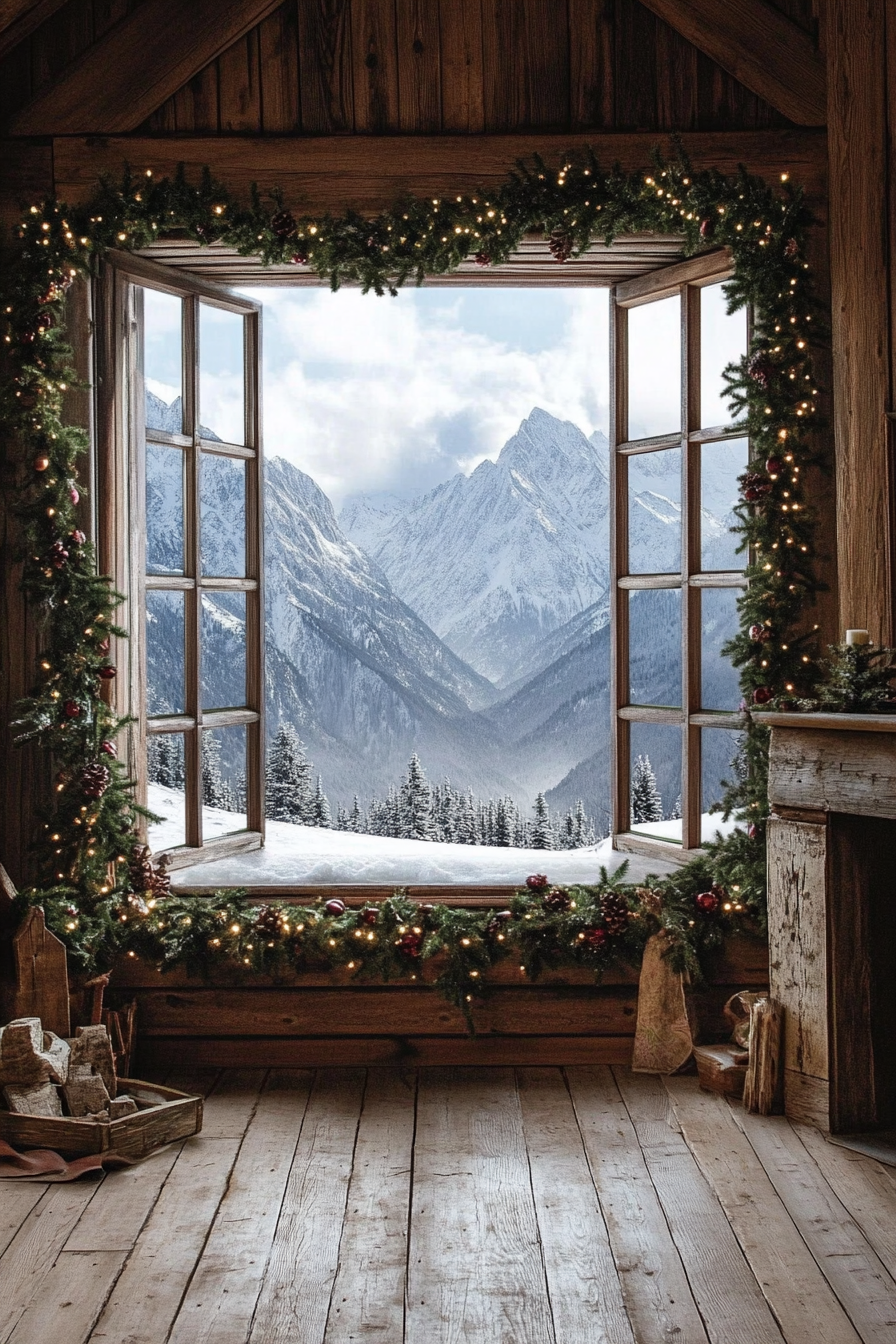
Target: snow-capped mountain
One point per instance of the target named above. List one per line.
(496, 560)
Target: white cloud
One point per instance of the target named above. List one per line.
(371, 394)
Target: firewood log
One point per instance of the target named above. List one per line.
(85, 1092)
(30, 1055)
(33, 1099)
(92, 1050)
(763, 1083)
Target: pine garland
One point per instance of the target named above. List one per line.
(89, 832)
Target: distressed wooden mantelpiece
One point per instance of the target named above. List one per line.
(832, 914)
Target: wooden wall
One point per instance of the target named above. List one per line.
(421, 67)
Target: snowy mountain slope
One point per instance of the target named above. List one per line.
(497, 560)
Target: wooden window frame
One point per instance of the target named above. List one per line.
(686, 279)
(121, 439)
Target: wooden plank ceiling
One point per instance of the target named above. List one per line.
(411, 66)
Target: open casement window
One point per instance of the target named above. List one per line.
(191, 440)
(675, 460)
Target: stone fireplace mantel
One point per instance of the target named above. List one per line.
(832, 914)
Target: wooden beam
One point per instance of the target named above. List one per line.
(371, 173)
(19, 19)
(138, 64)
(759, 46)
(857, 145)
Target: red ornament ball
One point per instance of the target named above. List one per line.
(72, 709)
(74, 495)
(774, 466)
(707, 902)
(760, 634)
(410, 943)
(300, 258)
(109, 749)
(369, 915)
(41, 463)
(78, 537)
(335, 907)
(752, 831)
(762, 695)
(707, 227)
(108, 672)
(537, 882)
(595, 938)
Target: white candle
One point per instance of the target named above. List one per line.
(858, 637)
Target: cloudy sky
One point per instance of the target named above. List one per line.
(371, 394)
(379, 394)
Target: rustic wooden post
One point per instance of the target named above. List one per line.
(41, 975)
(762, 1087)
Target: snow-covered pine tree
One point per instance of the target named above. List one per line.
(241, 792)
(502, 833)
(341, 822)
(416, 803)
(288, 795)
(582, 832)
(354, 817)
(647, 803)
(675, 814)
(215, 791)
(568, 831)
(466, 819)
(392, 814)
(321, 806)
(541, 834)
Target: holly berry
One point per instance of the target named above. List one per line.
(707, 902)
(335, 906)
(537, 882)
(762, 695)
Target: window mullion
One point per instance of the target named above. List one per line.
(690, 564)
(620, 735)
(255, 735)
(193, 598)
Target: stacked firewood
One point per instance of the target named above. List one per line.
(43, 1074)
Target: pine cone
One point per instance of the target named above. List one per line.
(557, 900)
(560, 244)
(94, 779)
(761, 369)
(651, 900)
(614, 908)
(283, 224)
(140, 869)
(268, 920)
(756, 485)
(160, 884)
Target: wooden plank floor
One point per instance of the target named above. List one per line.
(460, 1206)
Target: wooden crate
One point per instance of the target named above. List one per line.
(164, 1115)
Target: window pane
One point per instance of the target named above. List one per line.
(722, 764)
(720, 466)
(223, 650)
(654, 512)
(221, 375)
(222, 505)
(166, 790)
(723, 340)
(165, 687)
(164, 510)
(655, 647)
(223, 781)
(655, 775)
(654, 368)
(719, 623)
(162, 361)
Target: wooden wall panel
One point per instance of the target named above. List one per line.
(325, 71)
(591, 64)
(375, 65)
(525, 47)
(195, 105)
(239, 86)
(635, 83)
(278, 55)
(460, 27)
(419, 67)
